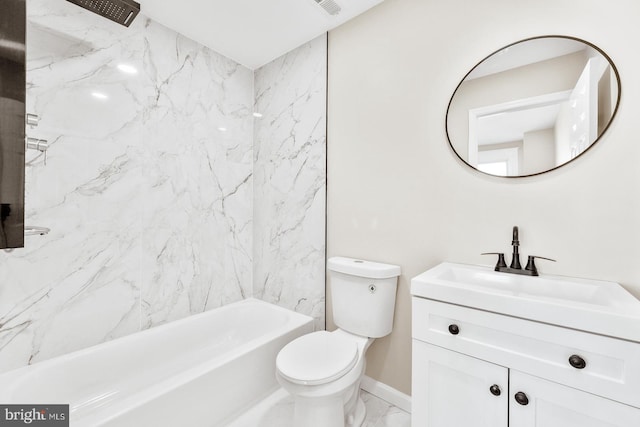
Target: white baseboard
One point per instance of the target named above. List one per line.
(386, 393)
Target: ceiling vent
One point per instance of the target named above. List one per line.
(330, 6)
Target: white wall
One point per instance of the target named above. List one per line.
(398, 194)
(539, 151)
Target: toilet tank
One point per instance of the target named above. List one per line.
(363, 295)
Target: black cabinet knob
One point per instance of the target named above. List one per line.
(495, 390)
(454, 329)
(522, 398)
(577, 362)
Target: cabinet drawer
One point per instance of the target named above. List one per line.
(612, 366)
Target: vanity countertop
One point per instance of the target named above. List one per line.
(594, 306)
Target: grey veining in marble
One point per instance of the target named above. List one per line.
(290, 180)
(276, 410)
(383, 414)
(147, 186)
(164, 195)
(197, 178)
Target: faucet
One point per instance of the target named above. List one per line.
(516, 267)
(515, 260)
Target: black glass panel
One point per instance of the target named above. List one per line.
(12, 122)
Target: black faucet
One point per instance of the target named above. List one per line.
(515, 260)
(516, 267)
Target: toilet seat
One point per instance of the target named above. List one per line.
(317, 358)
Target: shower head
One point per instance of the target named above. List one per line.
(120, 11)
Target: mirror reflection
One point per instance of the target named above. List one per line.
(533, 106)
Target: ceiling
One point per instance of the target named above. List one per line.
(251, 32)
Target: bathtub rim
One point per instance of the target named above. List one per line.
(294, 320)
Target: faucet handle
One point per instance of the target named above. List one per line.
(531, 263)
(501, 262)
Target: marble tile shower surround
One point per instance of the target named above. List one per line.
(290, 180)
(149, 203)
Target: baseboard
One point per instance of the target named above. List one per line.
(386, 393)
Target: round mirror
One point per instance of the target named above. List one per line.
(533, 106)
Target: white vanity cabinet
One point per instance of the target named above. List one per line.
(451, 389)
(478, 368)
(554, 405)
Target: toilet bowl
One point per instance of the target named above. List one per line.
(323, 370)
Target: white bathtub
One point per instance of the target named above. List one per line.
(199, 371)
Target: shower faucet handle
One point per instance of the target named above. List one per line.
(32, 120)
(41, 145)
(531, 264)
(501, 262)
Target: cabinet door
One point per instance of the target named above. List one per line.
(454, 390)
(554, 405)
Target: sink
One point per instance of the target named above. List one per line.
(595, 306)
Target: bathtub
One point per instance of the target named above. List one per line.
(200, 371)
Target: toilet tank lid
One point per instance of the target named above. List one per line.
(362, 268)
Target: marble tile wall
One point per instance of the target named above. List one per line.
(155, 182)
(147, 186)
(290, 180)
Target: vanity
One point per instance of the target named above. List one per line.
(505, 346)
(492, 349)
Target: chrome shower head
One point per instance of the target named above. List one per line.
(120, 11)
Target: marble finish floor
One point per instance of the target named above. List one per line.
(276, 410)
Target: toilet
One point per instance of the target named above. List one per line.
(322, 370)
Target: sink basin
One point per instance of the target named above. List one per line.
(590, 305)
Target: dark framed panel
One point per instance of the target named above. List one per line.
(12, 122)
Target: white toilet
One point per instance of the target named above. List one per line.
(322, 370)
